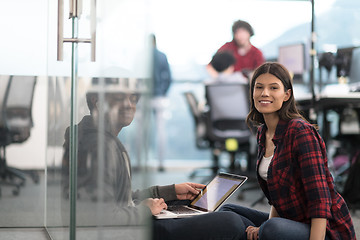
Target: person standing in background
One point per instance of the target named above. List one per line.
(161, 71)
(161, 83)
(247, 56)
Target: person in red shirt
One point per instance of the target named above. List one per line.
(292, 168)
(247, 57)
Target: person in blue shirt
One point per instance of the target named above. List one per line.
(161, 71)
(161, 83)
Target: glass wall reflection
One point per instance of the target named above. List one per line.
(21, 188)
(97, 128)
(104, 174)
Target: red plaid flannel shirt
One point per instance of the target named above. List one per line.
(250, 61)
(299, 184)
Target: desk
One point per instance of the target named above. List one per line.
(331, 96)
(338, 95)
(334, 97)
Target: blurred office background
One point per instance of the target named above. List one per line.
(189, 33)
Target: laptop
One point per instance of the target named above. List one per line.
(216, 192)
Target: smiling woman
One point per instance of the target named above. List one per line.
(296, 180)
(278, 93)
(269, 94)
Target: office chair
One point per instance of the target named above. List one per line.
(16, 94)
(227, 128)
(201, 141)
(222, 127)
(199, 119)
(229, 106)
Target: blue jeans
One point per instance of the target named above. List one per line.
(270, 229)
(212, 226)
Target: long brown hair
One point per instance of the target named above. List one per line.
(288, 110)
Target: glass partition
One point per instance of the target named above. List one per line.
(97, 126)
(23, 114)
(110, 138)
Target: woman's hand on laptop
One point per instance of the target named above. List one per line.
(188, 190)
(156, 205)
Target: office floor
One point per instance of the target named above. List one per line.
(13, 209)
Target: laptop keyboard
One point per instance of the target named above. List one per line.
(180, 209)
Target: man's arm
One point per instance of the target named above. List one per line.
(182, 191)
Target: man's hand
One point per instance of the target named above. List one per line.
(188, 190)
(156, 205)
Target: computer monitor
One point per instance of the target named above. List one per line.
(292, 56)
(354, 74)
(343, 61)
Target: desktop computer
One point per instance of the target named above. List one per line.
(294, 58)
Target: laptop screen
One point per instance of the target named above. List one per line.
(217, 191)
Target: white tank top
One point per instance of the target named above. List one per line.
(264, 166)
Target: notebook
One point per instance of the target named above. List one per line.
(216, 192)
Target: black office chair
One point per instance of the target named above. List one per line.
(222, 127)
(16, 94)
(200, 120)
(201, 140)
(227, 129)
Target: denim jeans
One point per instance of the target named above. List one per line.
(211, 226)
(270, 229)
